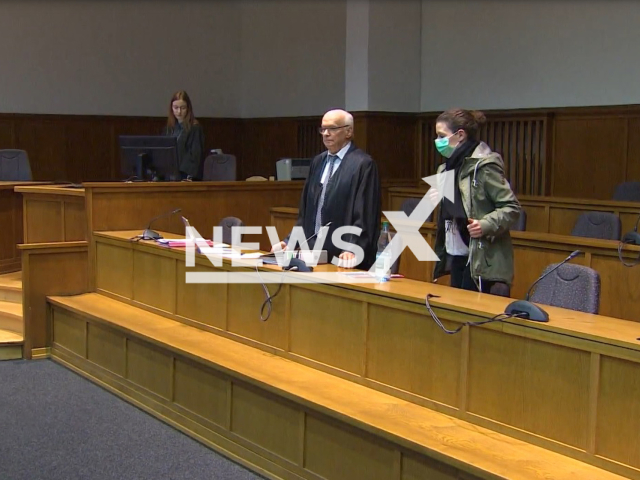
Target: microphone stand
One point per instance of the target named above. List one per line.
(149, 234)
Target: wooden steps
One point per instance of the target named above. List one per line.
(11, 321)
(278, 416)
(11, 287)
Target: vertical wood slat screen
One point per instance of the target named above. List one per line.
(521, 140)
(309, 140)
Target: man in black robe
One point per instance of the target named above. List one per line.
(343, 189)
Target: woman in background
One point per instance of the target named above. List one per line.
(182, 124)
(472, 239)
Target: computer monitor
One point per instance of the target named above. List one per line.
(149, 158)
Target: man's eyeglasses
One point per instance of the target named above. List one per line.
(321, 130)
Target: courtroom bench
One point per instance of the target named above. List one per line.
(555, 215)
(533, 251)
(279, 416)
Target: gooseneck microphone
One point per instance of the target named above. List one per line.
(315, 234)
(530, 311)
(149, 234)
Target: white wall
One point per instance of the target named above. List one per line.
(121, 58)
(394, 55)
(530, 53)
(293, 57)
(357, 55)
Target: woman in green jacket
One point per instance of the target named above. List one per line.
(182, 123)
(472, 240)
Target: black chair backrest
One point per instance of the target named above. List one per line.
(219, 167)
(227, 225)
(14, 166)
(627, 192)
(602, 225)
(571, 286)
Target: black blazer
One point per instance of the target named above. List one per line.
(352, 199)
(190, 150)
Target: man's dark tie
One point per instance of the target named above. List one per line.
(332, 160)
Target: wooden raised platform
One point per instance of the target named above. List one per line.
(279, 417)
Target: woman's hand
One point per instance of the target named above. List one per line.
(475, 231)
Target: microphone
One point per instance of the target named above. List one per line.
(149, 234)
(315, 234)
(530, 311)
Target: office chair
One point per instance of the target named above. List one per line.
(602, 225)
(571, 286)
(14, 166)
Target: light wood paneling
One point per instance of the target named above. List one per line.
(106, 348)
(619, 292)
(202, 392)
(543, 388)
(243, 307)
(154, 280)
(266, 421)
(619, 411)
(115, 269)
(205, 204)
(191, 297)
(75, 221)
(407, 352)
(67, 334)
(338, 412)
(44, 221)
(533, 252)
(422, 469)
(313, 332)
(49, 269)
(150, 368)
(345, 454)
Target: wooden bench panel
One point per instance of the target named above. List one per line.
(380, 336)
(286, 418)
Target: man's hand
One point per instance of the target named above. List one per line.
(278, 247)
(347, 260)
(475, 231)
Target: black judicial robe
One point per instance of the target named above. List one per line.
(352, 199)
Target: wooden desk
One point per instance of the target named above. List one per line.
(619, 295)
(570, 385)
(547, 214)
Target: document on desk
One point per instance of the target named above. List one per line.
(182, 242)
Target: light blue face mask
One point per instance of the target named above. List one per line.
(442, 145)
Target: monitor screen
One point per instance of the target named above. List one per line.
(149, 158)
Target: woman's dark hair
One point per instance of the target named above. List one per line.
(468, 120)
(189, 120)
